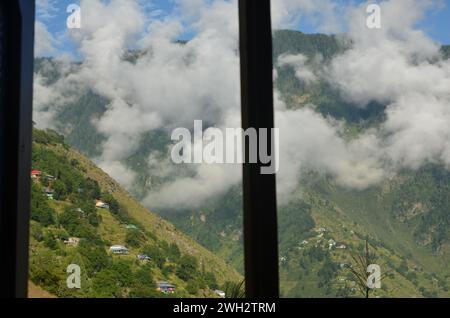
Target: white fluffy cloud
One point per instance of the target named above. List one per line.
(298, 62)
(45, 42)
(400, 66)
(46, 9)
(325, 15)
(308, 141)
(171, 85)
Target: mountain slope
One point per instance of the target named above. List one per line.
(65, 188)
(323, 228)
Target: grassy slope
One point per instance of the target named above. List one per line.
(153, 223)
(353, 215)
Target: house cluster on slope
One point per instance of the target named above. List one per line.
(36, 176)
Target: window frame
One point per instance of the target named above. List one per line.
(257, 105)
(17, 54)
(260, 208)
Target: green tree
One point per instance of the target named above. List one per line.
(76, 224)
(94, 255)
(192, 287)
(210, 280)
(60, 190)
(124, 274)
(36, 231)
(156, 255)
(46, 270)
(187, 268)
(144, 285)
(40, 209)
(174, 252)
(49, 241)
(135, 238)
(114, 206)
(105, 284)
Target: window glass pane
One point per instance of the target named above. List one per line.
(117, 85)
(362, 103)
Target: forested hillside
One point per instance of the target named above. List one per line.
(69, 226)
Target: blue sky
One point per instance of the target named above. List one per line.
(436, 23)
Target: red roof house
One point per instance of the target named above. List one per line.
(36, 173)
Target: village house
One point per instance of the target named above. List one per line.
(331, 244)
(220, 293)
(166, 288)
(321, 230)
(49, 192)
(131, 227)
(119, 250)
(36, 174)
(80, 211)
(72, 241)
(144, 258)
(101, 205)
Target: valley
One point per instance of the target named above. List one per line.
(405, 218)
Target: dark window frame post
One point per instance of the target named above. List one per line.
(16, 88)
(260, 207)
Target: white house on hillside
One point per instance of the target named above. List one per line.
(101, 205)
(119, 250)
(220, 293)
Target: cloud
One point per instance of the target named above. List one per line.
(384, 63)
(46, 9)
(401, 67)
(171, 85)
(209, 182)
(325, 15)
(122, 174)
(49, 98)
(299, 63)
(309, 141)
(43, 96)
(45, 42)
(193, 185)
(398, 66)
